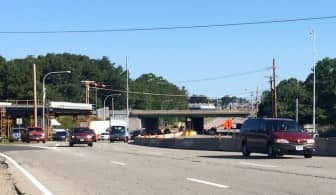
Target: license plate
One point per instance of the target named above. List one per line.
(81, 140)
(299, 148)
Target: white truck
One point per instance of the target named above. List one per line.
(101, 126)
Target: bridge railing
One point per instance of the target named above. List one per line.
(22, 102)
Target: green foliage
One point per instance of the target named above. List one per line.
(17, 82)
(229, 99)
(149, 83)
(289, 90)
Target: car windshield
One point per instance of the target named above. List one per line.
(16, 130)
(81, 130)
(281, 125)
(62, 133)
(34, 129)
(117, 129)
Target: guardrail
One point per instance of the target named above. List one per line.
(324, 146)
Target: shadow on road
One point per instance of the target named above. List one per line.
(245, 158)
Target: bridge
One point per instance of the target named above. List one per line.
(189, 113)
(150, 118)
(194, 119)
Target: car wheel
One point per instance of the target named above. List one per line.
(126, 140)
(71, 144)
(270, 151)
(308, 155)
(44, 142)
(90, 144)
(245, 151)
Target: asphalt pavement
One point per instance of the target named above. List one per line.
(120, 168)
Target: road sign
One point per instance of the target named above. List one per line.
(19, 121)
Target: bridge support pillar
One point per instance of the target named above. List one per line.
(195, 123)
(150, 123)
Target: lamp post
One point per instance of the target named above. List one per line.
(44, 95)
(112, 95)
(314, 87)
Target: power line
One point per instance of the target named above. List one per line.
(169, 27)
(225, 76)
(142, 93)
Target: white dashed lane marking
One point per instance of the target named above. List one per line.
(207, 183)
(118, 163)
(257, 165)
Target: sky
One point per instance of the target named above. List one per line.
(185, 56)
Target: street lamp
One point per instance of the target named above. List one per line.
(112, 95)
(44, 95)
(314, 87)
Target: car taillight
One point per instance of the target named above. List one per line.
(42, 135)
(30, 134)
(89, 136)
(72, 136)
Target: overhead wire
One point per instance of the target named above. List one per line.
(226, 76)
(169, 27)
(142, 93)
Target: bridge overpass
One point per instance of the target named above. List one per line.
(194, 119)
(189, 113)
(150, 118)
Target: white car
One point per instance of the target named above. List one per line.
(104, 136)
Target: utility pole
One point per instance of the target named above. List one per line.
(314, 88)
(257, 101)
(35, 96)
(275, 93)
(87, 90)
(297, 102)
(272, 94)
(127, 89)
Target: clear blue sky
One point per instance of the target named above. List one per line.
(178, 55)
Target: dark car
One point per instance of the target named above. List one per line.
(81, 135)
(33, 134)
(16, 134)
(60, 136)
(275, 136)
(119, 133)
(135, 133)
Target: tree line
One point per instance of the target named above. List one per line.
(290, 89)
(145, 92)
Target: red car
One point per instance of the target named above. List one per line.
(33, 134)
(81, 135)
(275, 137)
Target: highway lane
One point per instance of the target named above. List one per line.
(129, 169)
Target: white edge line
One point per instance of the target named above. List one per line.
(208, 183)
(258, 165)
(118, 163)
(43, 189)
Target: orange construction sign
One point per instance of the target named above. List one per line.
(228, 123)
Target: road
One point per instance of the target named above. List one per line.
(120, 168)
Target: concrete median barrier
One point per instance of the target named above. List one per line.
(324, 146)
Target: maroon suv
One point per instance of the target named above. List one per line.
(275, 136)
(33, 134)
(80, 135)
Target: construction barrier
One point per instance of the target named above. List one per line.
(324, 146)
